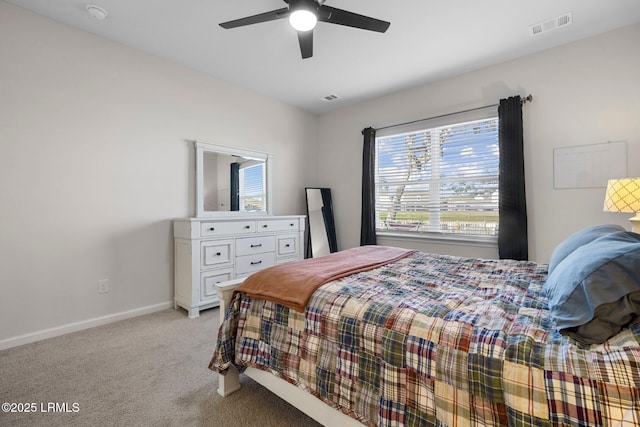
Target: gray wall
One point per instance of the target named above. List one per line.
(95, 161)
(586, 92)
(94, 164)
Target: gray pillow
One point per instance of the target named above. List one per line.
(582, 237)
(608, 320)
(605, 271)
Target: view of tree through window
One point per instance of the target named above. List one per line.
(252, 186)
(440, 180)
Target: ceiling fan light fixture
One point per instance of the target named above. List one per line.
(303, 20)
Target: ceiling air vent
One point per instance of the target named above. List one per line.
(550, 24)
(329, 98)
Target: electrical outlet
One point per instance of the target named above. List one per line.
(103, 286)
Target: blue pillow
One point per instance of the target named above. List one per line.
(595, 275)
(578, 239)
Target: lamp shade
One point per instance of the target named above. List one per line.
(623, 195)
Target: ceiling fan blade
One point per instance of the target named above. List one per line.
(306, 43)
(256, 19)
(333, 15)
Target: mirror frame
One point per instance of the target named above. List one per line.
(327, 226)
(203, 147)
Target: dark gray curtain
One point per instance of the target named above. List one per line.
(235, 186)
(513, 242)
(368, 224)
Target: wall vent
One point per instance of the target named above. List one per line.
(551, 24)
(329, 98)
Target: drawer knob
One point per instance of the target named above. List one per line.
(259, 245)
(247, 226)
(265, 225)
(212, 229)
(218, 254)
(292, 225)
(256, 262)
(287, 245)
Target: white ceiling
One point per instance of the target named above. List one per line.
(427, 40)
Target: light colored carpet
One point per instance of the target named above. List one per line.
(147, 371)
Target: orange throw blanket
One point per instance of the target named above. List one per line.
(292, 284)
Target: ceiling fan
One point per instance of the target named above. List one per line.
(303, 16)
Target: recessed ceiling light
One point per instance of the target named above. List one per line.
(96, 12)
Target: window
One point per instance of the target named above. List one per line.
(439, 177)
(252, 188)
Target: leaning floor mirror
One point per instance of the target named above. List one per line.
(322, 229)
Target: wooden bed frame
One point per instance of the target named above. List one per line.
(306, 402)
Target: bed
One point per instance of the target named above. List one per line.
(430, 339)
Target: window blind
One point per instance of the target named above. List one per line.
(252, 179)
(439, 176)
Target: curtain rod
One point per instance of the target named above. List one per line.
(523, 101)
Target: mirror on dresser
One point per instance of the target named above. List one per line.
(231, 181)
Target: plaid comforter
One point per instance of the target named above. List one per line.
(439, 340)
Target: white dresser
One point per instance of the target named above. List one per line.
(210, 251)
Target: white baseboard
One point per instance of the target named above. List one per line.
(78, 326)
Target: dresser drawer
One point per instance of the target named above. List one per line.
(210, 279)
(278, 225)
(209, 229)
(248, 264)
(216, 254)
(255, 245)
(287, 245)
